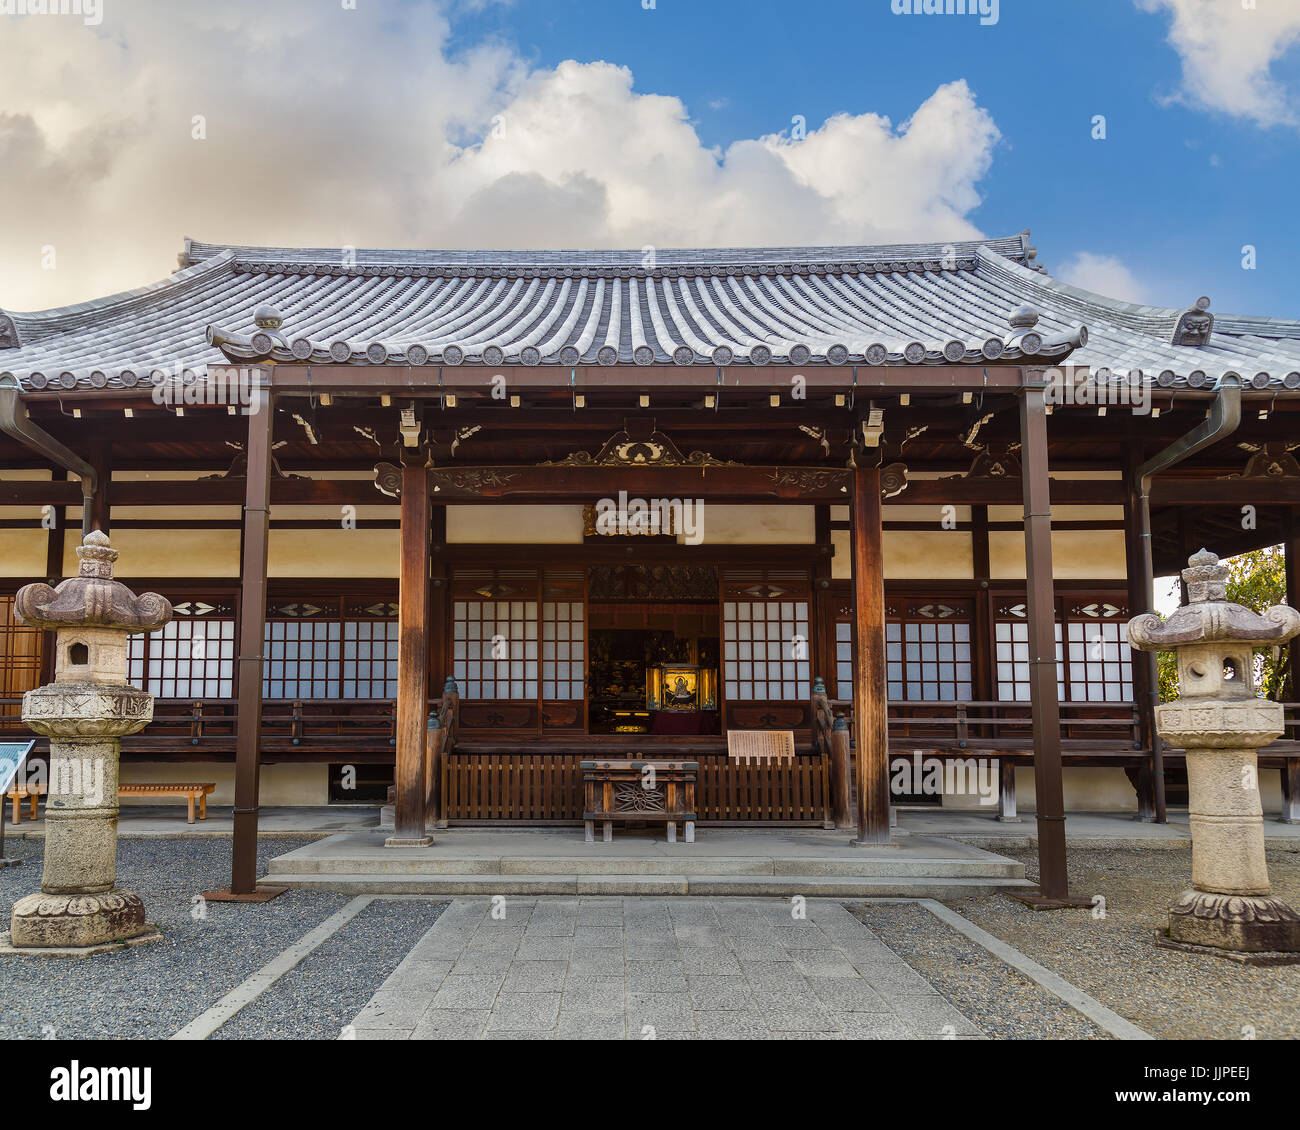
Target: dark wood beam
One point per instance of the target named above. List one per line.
(101, 505)
(870, 692)
(1259, 492)
(1045, 706)
(1141, 598)
(410, 796)
(430, 380)
(1292, 549)
(252, 630)
(983, 651)
(734, 484)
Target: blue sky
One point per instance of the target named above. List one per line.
(1175, 191)
(303, 122)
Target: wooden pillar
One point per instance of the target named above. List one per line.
(1146, 682)
(1291, 688)
(983, 659)
(1041, 606)
(252, 630)
(54, 547)
(439, 610)
(870, 693)
(103, 464)
(439, 653)
(822, 648)
(841, 793)
(1185, 550)
(412, 661)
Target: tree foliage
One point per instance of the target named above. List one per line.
(1255, 580)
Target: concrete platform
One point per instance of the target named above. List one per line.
(1094, 829)
(779, 862)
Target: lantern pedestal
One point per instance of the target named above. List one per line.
(1221, 722)
(85, 713)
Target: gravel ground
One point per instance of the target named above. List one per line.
(153, 990)
(1000, 1001)
(1170, 994)
(336, 981)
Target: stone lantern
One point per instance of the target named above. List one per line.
(85, 712)
(1221, 723)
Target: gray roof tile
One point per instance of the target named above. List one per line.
(914, 303)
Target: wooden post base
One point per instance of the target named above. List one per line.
(262, 894)
(1036, 900)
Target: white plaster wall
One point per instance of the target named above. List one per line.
(1086, 789)
(495, 525)
(333, 553)
(1107, 789)
(923, 555)
(306, 784)
(176, 552)
(758, 525)
(22, 552)
(1076, 555)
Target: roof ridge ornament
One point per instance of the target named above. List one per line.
(251, 347)
(8, 333)
(1194, 325)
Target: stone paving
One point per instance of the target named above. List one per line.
(654, 968)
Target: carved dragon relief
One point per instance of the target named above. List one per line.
(992, 460)
(238, 468)
(473, 480)
(809, 480)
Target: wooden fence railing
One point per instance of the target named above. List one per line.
(547, 788)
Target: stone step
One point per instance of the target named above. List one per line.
(810, 886)
(398, 863)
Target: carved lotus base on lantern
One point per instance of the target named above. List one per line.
(87, 710)
(1235, 723)
(1239, 926)
(79, 922)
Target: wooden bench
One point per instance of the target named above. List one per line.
(191, 793)
(639, 790)
(749, 745)
(19, 793)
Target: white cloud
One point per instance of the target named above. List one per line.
(330, 126)
(1228, 51)
(1103, 274)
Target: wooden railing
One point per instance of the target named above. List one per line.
(288, 725)
(988, 726)
(369, 725)
(546, 788)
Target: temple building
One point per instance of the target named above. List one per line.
(636, 502)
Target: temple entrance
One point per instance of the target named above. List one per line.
(653, 669)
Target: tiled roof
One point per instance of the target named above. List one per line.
(964, 303)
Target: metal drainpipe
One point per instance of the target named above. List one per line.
(1225, 415)
(15, 422)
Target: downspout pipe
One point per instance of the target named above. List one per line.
(1224, 417)
(15, 422)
